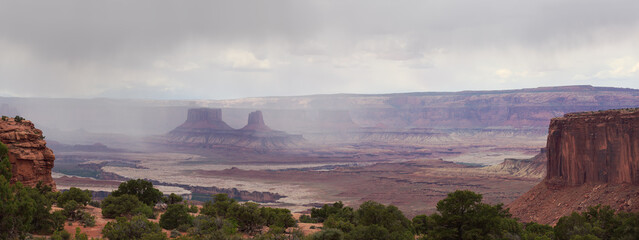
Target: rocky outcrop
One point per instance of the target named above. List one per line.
(205, 119)
(31, 160)
(256, 123)
(529, 168)
(599, 147)
(205, 128)
(593, 158)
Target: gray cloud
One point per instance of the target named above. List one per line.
(222, 49)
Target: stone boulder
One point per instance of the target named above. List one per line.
(31, 160)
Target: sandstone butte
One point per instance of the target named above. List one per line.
(593, 158)
(31, 160)
(205, 128)
(256, 122)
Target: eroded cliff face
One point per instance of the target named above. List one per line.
(601, 147)
(529, 168)
(31, 160)
(593, 158)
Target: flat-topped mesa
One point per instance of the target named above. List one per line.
(204, 128)
(256, 123)
(597, 147)
(205, 118)
(593, 159)
(31, 160)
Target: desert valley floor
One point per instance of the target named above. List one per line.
(412, 177)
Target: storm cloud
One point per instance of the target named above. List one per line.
(232, 49)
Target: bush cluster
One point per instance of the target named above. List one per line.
(24, 210)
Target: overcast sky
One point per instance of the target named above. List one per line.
(233, 49)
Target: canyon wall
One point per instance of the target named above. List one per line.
(521, 108)
(31, 160)
(593, 158)
(599, 147)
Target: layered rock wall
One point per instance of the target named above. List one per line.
(601, 147)
(31, 160)
(593, 158)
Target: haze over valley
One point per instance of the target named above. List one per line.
(408, 149)
(316, 120)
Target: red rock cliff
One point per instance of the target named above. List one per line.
(31, 160)
(601, 147)
(593, 158)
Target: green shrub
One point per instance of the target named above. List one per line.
(337, 208)
(600, 222)
(219, 206)
(58, 219)
(5, 118)
(95, 204)
(537, 231)
(144, 210)
(5, 165)
(80, 235)
(307, 219)
(70, 210)
(183, 227)
(337, 223)
(142, 189)
(18, 118)
(86, 219)
(423, 224)
(211, 227)
(175, 215)
(136, 228)
(175, 233)
(193, 209)
(370, 232)
(277, 217)
(80, 196)
(173, 199)
(61, 235)
(124, 206)
(154, 236)
(248, 217)
(22, 209)
(329, 234)
(387, 217)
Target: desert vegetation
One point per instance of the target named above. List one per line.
(25, 211)
(462, 215)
